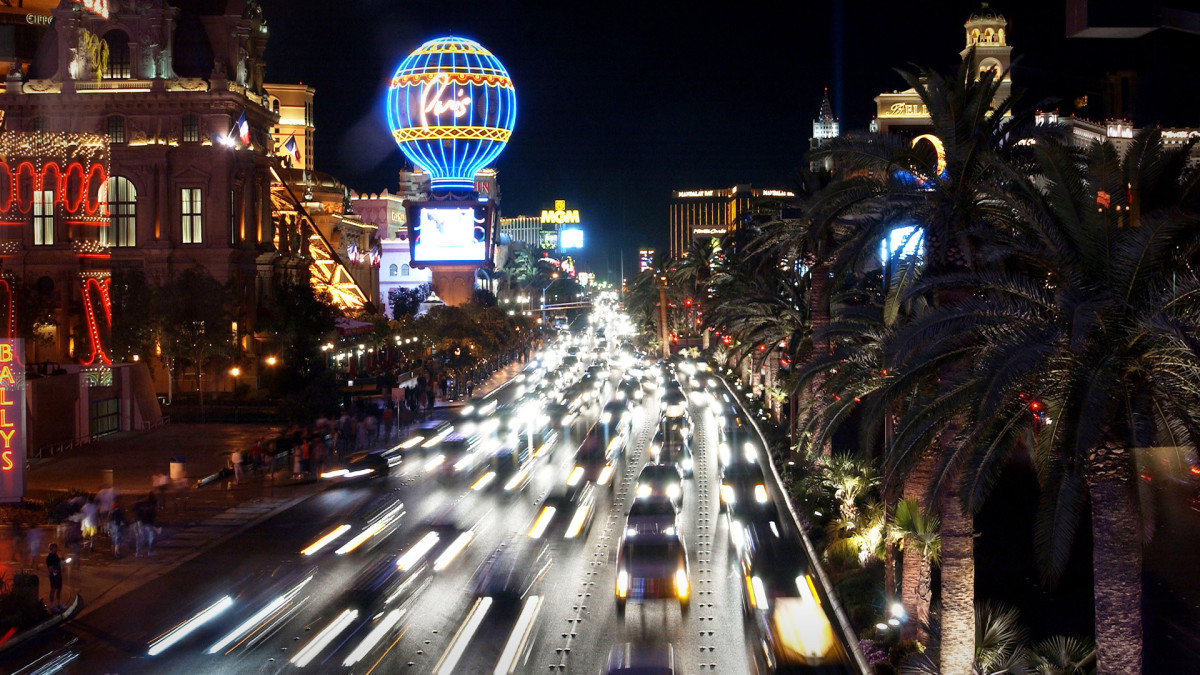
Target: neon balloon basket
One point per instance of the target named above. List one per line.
(451, 108)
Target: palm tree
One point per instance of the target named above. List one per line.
(919, 532)
(1062, 655)
(960, 198)
(1084, 347)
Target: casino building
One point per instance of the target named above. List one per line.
(697, 214)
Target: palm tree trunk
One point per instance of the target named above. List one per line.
(889, 550)
(1116, 565)
(916, 487)
(958, 583)
(818, 313)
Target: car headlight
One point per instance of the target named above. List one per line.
(727, 494)
(760, 494)
(687, 464)
(643, 491)
(673, 491)
(630, 531)
(606, 418)
(681, 583)
(622, 583)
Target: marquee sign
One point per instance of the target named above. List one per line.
(451, 107)
(561, 215)
(12, 420)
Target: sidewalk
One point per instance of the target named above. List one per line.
(497, 380)
(190, 521)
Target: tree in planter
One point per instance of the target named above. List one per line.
(197, 318)
(135, 322)
(405, 302)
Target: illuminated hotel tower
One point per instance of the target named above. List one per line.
(825, 127)
(986, 33)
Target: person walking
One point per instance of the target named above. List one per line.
(89, 523)
(144, 511)
(54, 572)
(236, 460)
(116, 527)
(388, 417)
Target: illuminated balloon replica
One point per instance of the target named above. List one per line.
(451, 108)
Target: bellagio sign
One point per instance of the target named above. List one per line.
(12, 421)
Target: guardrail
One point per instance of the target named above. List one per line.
(845, 630)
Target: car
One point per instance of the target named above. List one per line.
(558, 415)
(599, 368)
(640, 658)
(360, 466)
(629, 389)
(511, 570)
(567, 513)
(670, 446)
(424, 433)
(780, 597)
(455, 455)
(593, 460)
(673, 403)
(652, 515)
(681, 423)
(616, 424)
(744, 491)
(652, 566)
(658, 480)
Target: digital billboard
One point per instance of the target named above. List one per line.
(549, 240)
(571, 238)
(450, 234)
(12, 421)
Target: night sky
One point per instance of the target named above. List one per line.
(618, 104)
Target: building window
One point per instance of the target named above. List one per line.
(405, 270)
(43, 218)
(191, 129)
(122, 213)
(116, 129)
(118, 55)
(190, 212)
(41, 125)
(392, 270)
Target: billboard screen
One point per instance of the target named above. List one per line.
(571, 238)
(455, 233)
(12, 421)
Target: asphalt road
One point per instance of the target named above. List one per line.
(258, 605)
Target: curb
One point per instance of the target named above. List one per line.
(44, 626)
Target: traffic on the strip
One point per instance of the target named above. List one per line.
(602, 511)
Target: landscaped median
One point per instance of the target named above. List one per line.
(24, 619)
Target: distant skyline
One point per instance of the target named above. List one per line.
(619, 103)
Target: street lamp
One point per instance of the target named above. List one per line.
(553, 279)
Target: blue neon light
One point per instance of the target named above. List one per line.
(451, 107)
(902, 242)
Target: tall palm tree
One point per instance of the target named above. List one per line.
(959, 196)
(1085, 346)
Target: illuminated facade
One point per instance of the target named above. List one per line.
(825, 127)
(294, 105)
(387, 213)
(182, 190)
(645, 259)
(904, 113)
(526, 230)
(698, 214)
(451, 108)
(22, 25)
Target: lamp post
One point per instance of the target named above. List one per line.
(553, 279)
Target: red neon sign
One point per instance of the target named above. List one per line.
(12, 421)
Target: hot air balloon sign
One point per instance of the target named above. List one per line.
(451, 108)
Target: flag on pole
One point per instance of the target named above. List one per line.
(243, 129)
(291, 149)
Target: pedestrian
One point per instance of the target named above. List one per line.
(105, 499)
(90, 523)
(236, 460)
(54, 572)
(116, 527)
(160, 482)
(388, 417)
(33, 543)
(144, 512)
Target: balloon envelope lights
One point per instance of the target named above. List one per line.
(451, 107)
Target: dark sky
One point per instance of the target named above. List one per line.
(618, 104)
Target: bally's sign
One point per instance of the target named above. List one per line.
(560, 215)
(12, 421)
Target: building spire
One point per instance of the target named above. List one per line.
(826, 109)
